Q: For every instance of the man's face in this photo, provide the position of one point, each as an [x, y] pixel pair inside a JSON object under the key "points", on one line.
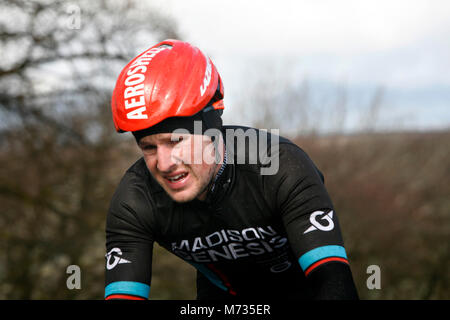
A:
{"points": [[183, 164]]}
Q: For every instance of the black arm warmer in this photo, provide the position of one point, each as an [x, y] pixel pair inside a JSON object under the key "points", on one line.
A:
{"points": [[332, 281]]}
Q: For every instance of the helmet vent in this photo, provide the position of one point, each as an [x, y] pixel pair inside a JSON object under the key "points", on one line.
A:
{"points": [[168, 46]]}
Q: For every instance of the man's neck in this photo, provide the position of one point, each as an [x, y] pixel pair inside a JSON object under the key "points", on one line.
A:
{"points": [[218, 170]]}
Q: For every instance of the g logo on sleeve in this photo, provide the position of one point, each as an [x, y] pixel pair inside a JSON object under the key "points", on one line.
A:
{"points": [[114, 253], [321, 221]]}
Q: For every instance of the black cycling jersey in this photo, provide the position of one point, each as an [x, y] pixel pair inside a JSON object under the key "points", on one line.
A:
{"points": [[256, 235]]}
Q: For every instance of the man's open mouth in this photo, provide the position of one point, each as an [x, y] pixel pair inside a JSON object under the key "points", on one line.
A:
{"points": [[178, 177]]}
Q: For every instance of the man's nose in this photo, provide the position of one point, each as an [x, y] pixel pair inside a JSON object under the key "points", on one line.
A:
{"points": [[167, 161]]}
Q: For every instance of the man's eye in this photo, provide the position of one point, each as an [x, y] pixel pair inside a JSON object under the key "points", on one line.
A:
{"points": [[148, 147], [176, 140]]}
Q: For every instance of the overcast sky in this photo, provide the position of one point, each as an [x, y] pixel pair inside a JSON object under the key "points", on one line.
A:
{"points": [[402, 45]]}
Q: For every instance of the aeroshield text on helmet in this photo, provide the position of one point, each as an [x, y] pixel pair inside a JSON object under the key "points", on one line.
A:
{"points": [[134, 84]]}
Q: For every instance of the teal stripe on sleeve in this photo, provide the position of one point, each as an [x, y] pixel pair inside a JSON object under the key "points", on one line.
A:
{"points": [[320, 253], [128, 287]]}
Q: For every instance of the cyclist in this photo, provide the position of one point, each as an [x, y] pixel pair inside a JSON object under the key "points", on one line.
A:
{"points": [[254, 218]]}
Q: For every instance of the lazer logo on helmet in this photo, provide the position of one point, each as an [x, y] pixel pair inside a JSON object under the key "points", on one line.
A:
{"points": [[207, 78], [134, 84]]}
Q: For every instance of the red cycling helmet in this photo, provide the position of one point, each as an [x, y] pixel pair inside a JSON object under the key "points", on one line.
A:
{"points": [[171, 79]]}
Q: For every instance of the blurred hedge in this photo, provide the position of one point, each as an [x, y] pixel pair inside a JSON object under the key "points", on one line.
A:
{"points": [[391, 194]]}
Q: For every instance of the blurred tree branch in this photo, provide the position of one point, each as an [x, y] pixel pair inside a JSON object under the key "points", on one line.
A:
{"points": [[60, 158]]}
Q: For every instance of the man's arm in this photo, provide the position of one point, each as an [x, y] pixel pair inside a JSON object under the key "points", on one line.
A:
{"points": [[312, 226], [332, 281], [129, 246]]}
